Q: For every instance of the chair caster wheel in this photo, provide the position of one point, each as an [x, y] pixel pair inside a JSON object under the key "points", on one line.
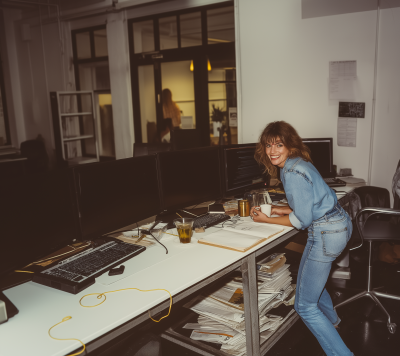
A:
{"points": [[392, 327]]}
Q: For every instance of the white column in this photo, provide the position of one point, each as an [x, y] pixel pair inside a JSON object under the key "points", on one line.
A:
{"points": [[118, 57], [12, 77]]}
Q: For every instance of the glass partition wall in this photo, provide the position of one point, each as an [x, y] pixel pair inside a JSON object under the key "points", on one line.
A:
{"points": [[192, 55]]}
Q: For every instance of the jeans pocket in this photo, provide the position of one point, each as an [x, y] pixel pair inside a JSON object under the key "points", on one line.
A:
{"points": [[334, 241]]}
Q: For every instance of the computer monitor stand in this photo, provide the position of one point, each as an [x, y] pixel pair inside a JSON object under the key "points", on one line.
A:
{"points": [[167, 216]]}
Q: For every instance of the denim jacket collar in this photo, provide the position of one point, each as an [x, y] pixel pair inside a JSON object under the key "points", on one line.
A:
{"points": [[289, 163]]}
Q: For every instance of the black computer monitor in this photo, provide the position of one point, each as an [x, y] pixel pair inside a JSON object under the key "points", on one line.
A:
{"points": [[182, 139], [321, 150], [241, 172], [114, 194], [38, 217], [189, 177]]}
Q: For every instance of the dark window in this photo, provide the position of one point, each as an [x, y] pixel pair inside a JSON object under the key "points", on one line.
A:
{"points": [[5, 139]]}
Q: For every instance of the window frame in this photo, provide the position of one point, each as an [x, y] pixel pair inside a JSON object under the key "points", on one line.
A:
{"points": [[4, 104], [77, 62], [93, 57]]}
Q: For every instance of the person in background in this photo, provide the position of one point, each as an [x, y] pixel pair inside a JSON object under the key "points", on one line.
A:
{"points": [[170, 108], [165, 132], [313, 206]]}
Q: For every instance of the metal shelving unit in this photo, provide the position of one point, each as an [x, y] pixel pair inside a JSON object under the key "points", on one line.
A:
{"points": [[59, 125], [247, 266]]}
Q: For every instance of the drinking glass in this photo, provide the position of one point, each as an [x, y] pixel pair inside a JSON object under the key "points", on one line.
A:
{"points": [[185, 229], [252, 197]]}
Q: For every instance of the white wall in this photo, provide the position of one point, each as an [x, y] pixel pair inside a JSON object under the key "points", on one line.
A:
{"points": [[386, 153], [284, 76], [118, 56]]}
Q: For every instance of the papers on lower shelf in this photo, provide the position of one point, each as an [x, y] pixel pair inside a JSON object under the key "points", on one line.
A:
{"points": [[221, 317], [241, 236], [273, 262]]}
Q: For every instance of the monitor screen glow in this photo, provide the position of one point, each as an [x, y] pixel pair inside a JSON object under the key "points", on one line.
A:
{"points": [[241, 171]]}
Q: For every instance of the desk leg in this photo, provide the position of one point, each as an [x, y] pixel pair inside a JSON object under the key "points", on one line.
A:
{"points": [[250, 295]]}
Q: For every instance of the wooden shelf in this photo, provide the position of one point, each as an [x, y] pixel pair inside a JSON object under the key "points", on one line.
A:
{"points": [[76, 114], [68, 131], [74, 92], [77, 138]]}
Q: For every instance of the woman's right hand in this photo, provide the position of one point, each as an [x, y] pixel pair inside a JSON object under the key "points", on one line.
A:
{"points": [[257, 215]]}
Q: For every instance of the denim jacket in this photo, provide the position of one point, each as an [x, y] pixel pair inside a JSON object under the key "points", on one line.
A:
{"points": [[306, 192]]}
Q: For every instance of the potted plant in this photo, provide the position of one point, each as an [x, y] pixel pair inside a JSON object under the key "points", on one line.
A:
{"points": [[217, 116]]}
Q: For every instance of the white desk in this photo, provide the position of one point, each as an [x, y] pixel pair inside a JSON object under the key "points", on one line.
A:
{"points": [[185, 270]]}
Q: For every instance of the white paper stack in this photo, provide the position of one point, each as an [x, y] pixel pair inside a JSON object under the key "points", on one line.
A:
{"points": [[221, 314]]}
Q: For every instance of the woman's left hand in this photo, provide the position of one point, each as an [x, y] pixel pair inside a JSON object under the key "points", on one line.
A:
{"points": [[257, 215]]}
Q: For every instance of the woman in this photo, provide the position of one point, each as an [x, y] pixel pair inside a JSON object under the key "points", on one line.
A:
{"points": [[170, 108], [312, 205], [166, 129]]}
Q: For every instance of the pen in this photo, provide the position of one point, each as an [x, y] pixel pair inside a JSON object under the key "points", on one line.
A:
{"points": [[188, 213]]}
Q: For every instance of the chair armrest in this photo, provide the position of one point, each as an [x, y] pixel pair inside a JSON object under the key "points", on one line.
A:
{"points": [[373, 211], [378, 211]]}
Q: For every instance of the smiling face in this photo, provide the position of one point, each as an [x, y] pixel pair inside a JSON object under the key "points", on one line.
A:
{"points": [[277, 152]]}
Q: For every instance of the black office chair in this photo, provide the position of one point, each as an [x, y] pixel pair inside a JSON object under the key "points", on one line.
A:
{"points": [[372, 226], [351, 203], [36, 154]]}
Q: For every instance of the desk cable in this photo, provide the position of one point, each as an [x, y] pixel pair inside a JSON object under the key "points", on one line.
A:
{"points": [[233, 220], [55, 338], [100, 296]]}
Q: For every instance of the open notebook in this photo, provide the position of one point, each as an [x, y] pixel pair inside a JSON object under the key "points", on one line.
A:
{"points": [[241, 236]]}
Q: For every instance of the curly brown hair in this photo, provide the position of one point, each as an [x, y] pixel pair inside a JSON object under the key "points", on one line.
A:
{"points": [[290, 138]]}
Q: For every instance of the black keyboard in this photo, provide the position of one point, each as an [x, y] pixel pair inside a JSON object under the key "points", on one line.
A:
{"points": [[334, 182], [95, 261], [208, 220]]}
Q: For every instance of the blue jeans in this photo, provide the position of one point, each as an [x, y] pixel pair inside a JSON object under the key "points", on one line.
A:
{"points": [[327, 237]]}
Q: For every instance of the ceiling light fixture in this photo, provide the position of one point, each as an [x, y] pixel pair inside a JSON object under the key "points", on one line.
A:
{"points": [[208, 65]]}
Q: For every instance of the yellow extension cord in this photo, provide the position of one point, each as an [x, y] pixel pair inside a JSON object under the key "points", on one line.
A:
{"points": [[99, 296]]}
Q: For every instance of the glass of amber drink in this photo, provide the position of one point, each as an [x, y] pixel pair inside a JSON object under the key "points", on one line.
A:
{"points": [[185, 229]]}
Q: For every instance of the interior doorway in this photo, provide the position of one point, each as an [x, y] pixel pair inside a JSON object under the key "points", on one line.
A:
{"points": [[191, 53], [153, 81]]}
